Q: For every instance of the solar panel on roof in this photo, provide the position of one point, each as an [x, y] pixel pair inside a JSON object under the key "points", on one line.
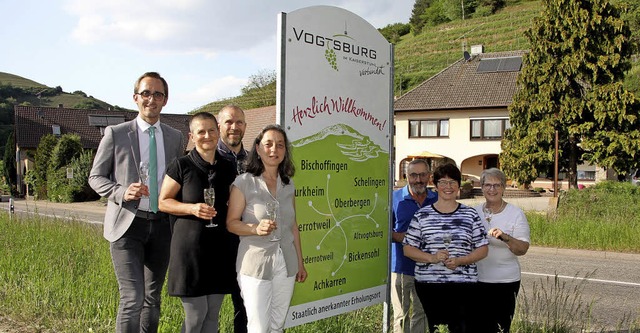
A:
{"points": [[511, 64], [97, 120], [492, 65], [104, 121], [488, 65]]}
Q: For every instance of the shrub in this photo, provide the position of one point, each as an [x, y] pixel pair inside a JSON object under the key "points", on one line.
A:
{"points": [[63, 189], [393, 32], [9, 162], [43, 154], [66, 149]]}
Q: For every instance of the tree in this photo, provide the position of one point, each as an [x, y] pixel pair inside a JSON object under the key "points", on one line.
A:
{"points": [[572, 82], [88, 105], [417, 20], [393, 32], [43, 155], [261, 89], [9, 161]]}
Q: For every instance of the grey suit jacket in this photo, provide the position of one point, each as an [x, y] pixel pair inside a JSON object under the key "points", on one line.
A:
{"points": [[115, 167]]}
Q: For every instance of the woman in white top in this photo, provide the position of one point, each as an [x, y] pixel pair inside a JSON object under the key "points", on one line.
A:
{"points": [[499, 271], [269, 255]]}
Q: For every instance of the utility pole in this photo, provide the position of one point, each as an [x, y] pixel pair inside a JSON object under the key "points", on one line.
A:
{"points": [[462, 4], [555, 169]]}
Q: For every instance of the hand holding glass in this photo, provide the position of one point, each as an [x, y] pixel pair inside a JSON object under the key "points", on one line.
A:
{"points": [[209, 199], [446, 239], [144, 172], [488, 214], [272, 214]]}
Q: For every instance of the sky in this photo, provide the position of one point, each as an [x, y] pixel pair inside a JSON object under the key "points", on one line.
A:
{"points": [[205, 49]]}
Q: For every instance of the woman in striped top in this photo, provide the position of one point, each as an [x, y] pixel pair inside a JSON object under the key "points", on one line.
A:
{"points": [[446, 239]]}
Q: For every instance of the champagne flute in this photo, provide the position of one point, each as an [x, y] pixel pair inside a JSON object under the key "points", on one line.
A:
{"points": [[144, 172], [488, 214], [272, 214], [209, 199], [446, 239]]}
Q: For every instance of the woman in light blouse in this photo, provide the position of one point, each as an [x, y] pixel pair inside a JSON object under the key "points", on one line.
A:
{"points": [[267, 266], [499, 272]]}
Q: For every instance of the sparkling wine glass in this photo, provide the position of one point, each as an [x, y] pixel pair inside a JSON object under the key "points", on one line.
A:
{"points": [[144, 172], [272, 214], [210, 199], [446, 239], [488, 214]]}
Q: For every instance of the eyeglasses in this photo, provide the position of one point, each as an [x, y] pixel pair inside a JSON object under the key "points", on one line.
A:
{"points": [[414, 175], [492, 186], [146, 94], [447, 183]]}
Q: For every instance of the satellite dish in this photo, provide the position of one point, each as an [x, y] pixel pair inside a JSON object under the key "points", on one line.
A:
{"points": [[467, 56]]}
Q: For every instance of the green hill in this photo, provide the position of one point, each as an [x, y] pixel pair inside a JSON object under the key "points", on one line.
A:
{"points": [[17, 90], [419, 57]]}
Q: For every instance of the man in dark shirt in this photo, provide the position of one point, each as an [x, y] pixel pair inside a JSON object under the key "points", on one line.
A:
{"points": [[232, 125]]}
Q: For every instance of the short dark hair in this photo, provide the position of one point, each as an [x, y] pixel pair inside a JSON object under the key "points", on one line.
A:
{"points": [[154, 75], [204, 116], [447, 170], [286, 169]]}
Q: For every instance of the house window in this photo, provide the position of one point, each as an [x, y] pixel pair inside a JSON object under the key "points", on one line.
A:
{"points": [[489, 128], [56, 130], [431, 128], [586, 175]]}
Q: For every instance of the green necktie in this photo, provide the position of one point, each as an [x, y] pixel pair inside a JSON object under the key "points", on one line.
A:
{"points": [[153, 170]]}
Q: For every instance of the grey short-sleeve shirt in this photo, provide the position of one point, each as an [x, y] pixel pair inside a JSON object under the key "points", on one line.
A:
{"points": [[256, 254]]}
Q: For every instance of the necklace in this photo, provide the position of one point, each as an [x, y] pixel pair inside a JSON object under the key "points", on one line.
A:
{"points": [[488, 213]]}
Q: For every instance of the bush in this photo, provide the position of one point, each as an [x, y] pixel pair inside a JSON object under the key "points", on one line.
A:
{"points": [[466, 188], [43, 154], [393, 32], [62, 189], [483, 11], [67, 148], [9, 163]]}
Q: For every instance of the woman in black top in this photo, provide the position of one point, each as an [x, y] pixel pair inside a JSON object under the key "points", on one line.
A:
{"points": [[202, 262]]}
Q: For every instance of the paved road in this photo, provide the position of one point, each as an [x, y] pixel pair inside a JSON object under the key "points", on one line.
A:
{"points": [[609, 282], [93, 211], [613, 285]]}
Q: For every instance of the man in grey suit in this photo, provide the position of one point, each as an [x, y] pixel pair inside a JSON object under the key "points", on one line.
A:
{"points": [[138, 233]]}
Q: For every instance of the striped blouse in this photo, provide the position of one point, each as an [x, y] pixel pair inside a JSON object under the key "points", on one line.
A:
{"points": [[427, 231]]}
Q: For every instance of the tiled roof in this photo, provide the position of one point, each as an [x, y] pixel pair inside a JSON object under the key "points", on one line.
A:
{"points": [[31, 123], [256, 120], [462, 86]]}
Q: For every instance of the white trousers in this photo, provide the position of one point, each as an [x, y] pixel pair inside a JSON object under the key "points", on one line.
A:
{"points": [[408, 314], [267, 301]]}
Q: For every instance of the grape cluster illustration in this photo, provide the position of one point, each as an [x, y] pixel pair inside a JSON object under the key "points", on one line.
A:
{"points": [[330, 54]]}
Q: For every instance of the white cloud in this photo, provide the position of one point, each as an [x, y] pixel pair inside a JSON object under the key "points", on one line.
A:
{"points": [[205, 26], [228, 86]]}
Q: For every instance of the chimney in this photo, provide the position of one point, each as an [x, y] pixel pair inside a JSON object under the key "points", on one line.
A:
{"points": [[60, 106], [477, 49]]}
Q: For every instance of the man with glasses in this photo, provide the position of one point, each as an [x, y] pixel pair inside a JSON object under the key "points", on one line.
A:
{"points": [[406, 201], [138, 232]]}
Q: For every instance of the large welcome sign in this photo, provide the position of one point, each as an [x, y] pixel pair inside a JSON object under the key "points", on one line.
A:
{"points": [[334, 100]]}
